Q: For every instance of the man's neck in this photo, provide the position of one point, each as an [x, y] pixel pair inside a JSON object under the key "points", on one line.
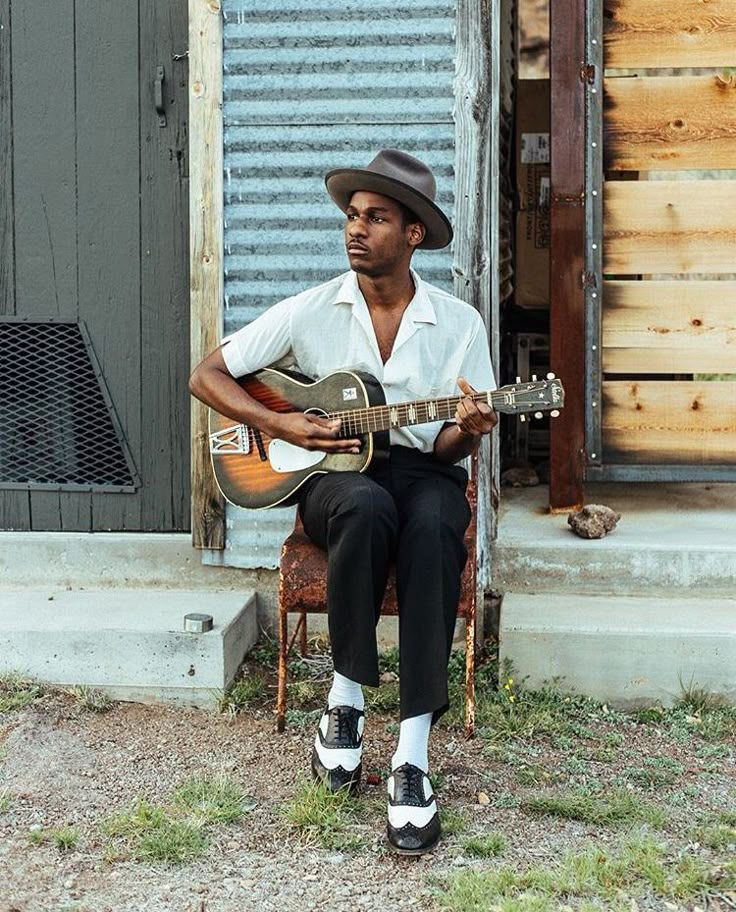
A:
{"points": [[389, 292]]}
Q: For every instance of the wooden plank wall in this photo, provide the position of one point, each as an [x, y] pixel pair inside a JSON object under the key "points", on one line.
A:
{"points": [[669, 254], [206, 249]]}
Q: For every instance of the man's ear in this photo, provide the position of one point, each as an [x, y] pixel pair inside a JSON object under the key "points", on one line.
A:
{"points": [[416, 234]]}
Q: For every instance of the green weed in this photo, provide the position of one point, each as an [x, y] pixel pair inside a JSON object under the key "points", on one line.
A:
{"points": [[453, 822], [65, 838], [17, 692], [614, 808], [301, 718], [388, 661], [150, 833], [488, 846], [331, 819], [243, 693], [656, 772], [587, 878], [218, 800], [383, 699], [304, 693], [91, 699], [5, 801]]}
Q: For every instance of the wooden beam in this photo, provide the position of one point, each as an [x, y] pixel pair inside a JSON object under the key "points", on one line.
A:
{"points": [[670, 123], [670, 423], [567, 303], [476, 244], [669, 226], [669, 327], [669, 33], [206, 246]]}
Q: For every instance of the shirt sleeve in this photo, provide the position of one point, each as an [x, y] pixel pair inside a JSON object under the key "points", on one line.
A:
{"points": [[261, 343], [476, 364]]}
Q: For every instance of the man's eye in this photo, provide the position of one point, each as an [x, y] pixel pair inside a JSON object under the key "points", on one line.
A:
{"points": [[376, 218]]}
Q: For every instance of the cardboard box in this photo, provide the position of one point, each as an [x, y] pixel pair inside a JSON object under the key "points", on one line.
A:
{"points": [[533, 185]]}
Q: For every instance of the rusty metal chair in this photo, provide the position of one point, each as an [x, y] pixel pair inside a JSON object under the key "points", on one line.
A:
{"points": [[303, 590]]}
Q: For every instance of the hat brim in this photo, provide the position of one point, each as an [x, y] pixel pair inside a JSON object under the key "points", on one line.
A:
{"points": [[342, 183]]}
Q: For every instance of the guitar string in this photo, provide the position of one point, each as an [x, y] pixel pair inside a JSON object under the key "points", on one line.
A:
{"points": [[360, 420]]}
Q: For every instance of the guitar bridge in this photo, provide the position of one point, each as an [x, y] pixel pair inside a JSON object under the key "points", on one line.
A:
{"points": [[233, 439]]}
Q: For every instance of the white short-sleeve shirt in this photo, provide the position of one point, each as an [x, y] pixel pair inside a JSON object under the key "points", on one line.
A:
{"points": [[329, 328]]}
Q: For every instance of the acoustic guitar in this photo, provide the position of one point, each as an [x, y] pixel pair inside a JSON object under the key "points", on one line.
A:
{"points": [[253, 470]]}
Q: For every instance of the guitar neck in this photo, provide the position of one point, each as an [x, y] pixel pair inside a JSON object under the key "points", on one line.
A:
{"points": [[404, 414]]}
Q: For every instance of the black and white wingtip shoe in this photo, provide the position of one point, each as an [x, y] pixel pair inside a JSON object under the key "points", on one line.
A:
{"points": [[413, 820], [338, 746]]}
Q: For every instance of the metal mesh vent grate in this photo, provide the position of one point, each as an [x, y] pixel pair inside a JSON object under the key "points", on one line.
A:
{"points": [[57, 425]]}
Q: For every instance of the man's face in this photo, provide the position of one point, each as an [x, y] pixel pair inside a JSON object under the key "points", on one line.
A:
{"points": [[376, 238]]}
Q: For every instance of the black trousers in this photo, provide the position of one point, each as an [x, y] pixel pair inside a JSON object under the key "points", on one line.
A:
{"points": [[412, 511]]}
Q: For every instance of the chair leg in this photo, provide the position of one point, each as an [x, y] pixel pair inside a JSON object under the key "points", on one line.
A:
{"points": [[303, 637], [470, 671], [283, 669]]}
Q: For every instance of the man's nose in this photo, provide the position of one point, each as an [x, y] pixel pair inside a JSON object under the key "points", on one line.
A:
{"points": [[356, 227]]}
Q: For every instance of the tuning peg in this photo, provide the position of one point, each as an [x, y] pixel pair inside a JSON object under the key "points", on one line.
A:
{"points": [[550, 376], [518, 379], [537, 414], [555, 413], [522, 417], [534, 378]]}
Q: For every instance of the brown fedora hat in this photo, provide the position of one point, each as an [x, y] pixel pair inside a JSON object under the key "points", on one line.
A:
{"points": [[401, 177]]}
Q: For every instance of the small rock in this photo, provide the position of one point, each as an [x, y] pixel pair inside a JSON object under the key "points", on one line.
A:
{"points": [[483, 798], [593, 521], [520, 477]]}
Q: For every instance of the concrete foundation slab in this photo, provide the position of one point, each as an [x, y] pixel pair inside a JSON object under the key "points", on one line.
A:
{"points": [[130, 643], [624, 650], [671, 539]]}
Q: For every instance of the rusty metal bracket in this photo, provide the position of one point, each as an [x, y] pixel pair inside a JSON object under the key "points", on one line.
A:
{"points": [[569, 199], [587, 73], [589, 279]]}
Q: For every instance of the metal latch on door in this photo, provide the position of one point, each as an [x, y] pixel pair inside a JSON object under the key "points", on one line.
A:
{"points": [[158, 96]]}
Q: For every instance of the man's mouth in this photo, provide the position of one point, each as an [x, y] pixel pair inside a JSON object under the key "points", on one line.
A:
{"points": [[356, 248]]}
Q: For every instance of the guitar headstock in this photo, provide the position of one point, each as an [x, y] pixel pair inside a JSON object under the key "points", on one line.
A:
{"points": [[530, 396]]}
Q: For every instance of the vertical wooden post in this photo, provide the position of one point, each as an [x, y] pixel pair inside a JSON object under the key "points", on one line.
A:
{"points": [[206, 246], [567, 260], [476, 246]]}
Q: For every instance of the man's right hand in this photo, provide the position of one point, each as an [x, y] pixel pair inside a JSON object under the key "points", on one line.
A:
{"points": [[312, 432]]}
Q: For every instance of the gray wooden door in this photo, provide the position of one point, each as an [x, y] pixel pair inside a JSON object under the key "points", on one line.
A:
{"points": [[94, 236]]}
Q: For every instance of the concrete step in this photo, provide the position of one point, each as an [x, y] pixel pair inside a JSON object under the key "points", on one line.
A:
{"points": [[627, 651], [672, 539], [99, 560], [130, 643]]}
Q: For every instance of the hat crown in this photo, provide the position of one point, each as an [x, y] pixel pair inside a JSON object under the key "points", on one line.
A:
{"points": [[405, 168]]}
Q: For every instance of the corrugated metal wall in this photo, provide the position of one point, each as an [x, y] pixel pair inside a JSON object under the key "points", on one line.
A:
{"points": [[308, 88]]}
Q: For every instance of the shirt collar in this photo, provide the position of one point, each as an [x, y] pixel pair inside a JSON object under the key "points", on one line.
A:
{"points": [[420, 309]]}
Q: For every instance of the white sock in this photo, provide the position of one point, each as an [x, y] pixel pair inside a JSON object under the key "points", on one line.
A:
{"points": [[345, 692], [413, 742]]}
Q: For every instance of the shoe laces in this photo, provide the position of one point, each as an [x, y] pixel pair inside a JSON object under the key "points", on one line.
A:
{"points": [[346, 726], [410, 782]]}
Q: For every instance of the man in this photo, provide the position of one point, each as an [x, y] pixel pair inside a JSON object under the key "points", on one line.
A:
{"points": [[421, 343]]}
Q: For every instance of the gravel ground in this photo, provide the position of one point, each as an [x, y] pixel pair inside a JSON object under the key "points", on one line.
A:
{"points": [[62, 765]]}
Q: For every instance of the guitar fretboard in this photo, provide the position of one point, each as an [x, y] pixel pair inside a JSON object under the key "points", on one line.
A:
{"points": [[402, 414]]}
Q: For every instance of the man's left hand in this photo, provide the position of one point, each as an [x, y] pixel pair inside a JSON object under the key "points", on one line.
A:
{"points": [[473, 417]]}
